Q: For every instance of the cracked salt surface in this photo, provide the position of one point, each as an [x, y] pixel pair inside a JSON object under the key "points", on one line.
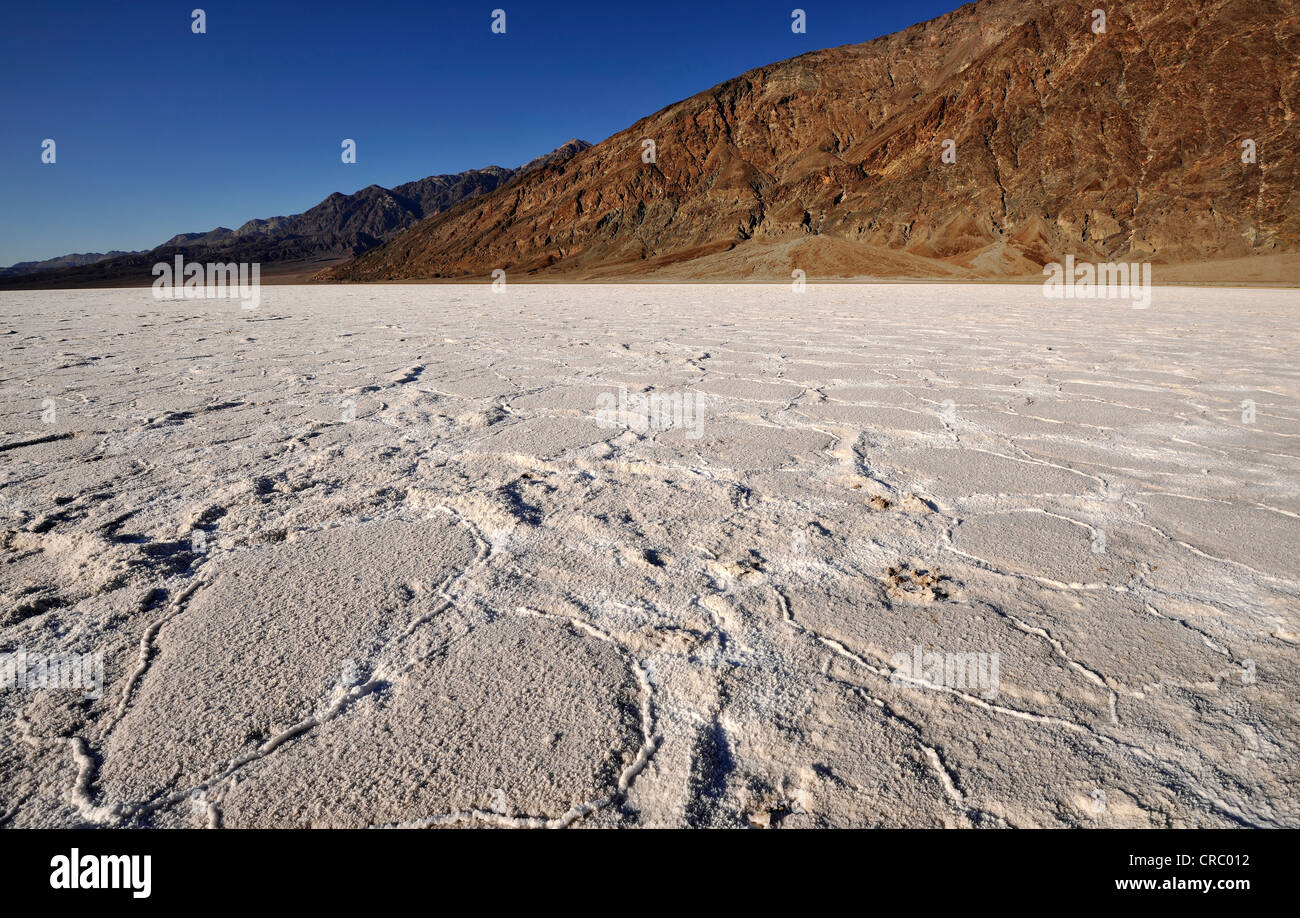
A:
{"points": [[364, 557]]}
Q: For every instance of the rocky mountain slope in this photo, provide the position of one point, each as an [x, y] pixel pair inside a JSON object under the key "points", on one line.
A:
{"points": [[1123, 144], [339, 227]]}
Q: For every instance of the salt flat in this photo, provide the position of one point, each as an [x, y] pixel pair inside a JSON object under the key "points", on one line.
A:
{"points": [[907, 555]]}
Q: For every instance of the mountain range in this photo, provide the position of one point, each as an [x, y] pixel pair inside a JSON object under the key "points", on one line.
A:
{"points": [[1122, 143], [985, 143], [339, 227], [73, 260]]}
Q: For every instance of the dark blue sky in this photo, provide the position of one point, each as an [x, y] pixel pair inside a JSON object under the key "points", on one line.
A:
{"points": [[161, 131]]}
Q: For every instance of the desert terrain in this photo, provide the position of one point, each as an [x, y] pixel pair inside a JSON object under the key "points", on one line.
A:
{"points": [[381, 556], [978, 145]]}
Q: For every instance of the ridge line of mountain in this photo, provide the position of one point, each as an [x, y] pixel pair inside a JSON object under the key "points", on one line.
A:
{"points": [[339, 227], [984, 143]]}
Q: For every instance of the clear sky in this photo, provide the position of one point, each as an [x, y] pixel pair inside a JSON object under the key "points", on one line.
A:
{"points": [[160, 131]]}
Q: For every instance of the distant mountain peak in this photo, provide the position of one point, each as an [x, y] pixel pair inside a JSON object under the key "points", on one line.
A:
{"points": [[339, 227], [563, 151], [72, 260]]}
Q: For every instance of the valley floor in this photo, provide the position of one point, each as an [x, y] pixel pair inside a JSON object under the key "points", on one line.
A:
{"points": [[903, 555]]}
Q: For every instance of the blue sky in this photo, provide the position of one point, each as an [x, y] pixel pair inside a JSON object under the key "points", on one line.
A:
{"points": [[161, 131]]}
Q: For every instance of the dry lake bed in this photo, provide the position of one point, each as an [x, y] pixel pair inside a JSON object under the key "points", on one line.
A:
{"points": [[897, 555]]}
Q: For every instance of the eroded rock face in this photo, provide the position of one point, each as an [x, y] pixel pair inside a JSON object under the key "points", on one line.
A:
{"points": [[1125, 144]]}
